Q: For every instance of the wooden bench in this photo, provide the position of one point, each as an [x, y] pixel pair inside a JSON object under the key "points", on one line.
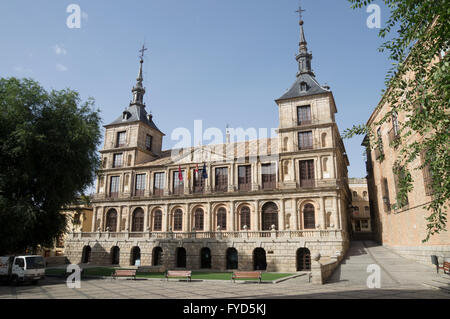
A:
{"points": [[445, 267], [179, 274], [246, 275], [124, 273]]}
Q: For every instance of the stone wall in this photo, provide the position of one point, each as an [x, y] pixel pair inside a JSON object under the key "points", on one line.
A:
{"points": [[281, 254], [422, 254]]}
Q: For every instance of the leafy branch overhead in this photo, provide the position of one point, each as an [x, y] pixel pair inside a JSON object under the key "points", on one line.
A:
{"points": [[418, 86]]}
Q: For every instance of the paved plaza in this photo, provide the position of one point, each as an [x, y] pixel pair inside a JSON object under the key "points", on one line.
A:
{"points": [[400, 278]]}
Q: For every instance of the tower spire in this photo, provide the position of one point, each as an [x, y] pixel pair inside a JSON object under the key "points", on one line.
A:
{"points": [[138, 90], [303, 58]]}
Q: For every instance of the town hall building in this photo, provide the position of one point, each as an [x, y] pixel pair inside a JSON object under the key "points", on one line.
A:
{"points": [[266, 204]]}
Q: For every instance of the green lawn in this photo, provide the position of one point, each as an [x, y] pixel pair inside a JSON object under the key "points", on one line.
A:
{"points": [[108, 271]]}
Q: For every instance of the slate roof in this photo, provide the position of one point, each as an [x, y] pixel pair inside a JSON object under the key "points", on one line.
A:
{"points": [[313, 87], [137, 114]]}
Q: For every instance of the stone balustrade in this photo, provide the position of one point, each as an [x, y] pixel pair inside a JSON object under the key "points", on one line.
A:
{"points": [[326, 234]]}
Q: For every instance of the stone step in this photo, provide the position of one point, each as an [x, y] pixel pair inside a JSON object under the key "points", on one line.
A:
{"points": [[437, 285]]}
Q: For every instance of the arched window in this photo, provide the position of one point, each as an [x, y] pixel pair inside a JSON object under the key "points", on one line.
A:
{"points": [[157, 256], [245, 217], [111, 220], [138, 220], [205, 258], [178, 220], [115, 255], [355, 194], [222, 218], [198, 219], [365, 195], [157, 220], [269, 216], [232, 258], [309, 217], [303, 259], [259, 259]]}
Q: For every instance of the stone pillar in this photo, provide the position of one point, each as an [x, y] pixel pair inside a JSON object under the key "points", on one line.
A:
{"points": [[281, 216], [101, 212], [94, 219], [165, 220], [324, 213], [336, 213], [255, 216], [208, 217], [146, 212], [295, 214], [167, 183], [232, 217]]}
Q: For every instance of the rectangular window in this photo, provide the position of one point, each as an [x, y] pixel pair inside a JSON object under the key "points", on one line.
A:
{"points": [[118, 160], [140, 185], [158, 184], [114, 187], [222, 179], [178, 185], [305, 140], [157, 221], [148, 142], [199, 181], [121, 139], [244, 177], [304, 115], [307, 177], [401, 202], [268, 176]]}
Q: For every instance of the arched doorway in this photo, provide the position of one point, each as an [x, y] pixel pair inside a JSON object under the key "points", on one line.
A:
{"points": [[115, 255], [309, 220], [157, 256], [232, 258], [259, 259], [135, 256], [137, 224], [111, 220], [205, 258], [303, 259], [86, 255], [181, 257], [269, 216]]}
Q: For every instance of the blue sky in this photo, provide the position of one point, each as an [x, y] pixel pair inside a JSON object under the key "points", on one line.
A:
{"points": [[221, 61]]}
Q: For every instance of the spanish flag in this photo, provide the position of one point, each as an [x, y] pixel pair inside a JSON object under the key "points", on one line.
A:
{"points": [[180, 174]]}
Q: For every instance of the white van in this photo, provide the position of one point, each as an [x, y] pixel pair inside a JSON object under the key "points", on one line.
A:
{"points": [[17, 269]]}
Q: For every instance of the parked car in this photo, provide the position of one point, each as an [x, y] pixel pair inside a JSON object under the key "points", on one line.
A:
{"points": [[17, 269]]}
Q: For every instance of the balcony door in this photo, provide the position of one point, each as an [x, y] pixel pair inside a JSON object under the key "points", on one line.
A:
{"points": [[307, 173]]}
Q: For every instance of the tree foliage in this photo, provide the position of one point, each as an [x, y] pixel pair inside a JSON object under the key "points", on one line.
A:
{"points": [[48, 143], [418, 85]]}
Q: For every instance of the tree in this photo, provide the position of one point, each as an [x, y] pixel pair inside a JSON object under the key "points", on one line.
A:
{"points": [[420, 41], [48, 143]]}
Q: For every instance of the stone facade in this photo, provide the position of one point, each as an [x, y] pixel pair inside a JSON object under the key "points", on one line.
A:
{"points": [[360, 215], [273, 202], [401, 229]]}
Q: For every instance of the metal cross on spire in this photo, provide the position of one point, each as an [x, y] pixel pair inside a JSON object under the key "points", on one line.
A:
{"points": [[300, 11], [142, 51]]}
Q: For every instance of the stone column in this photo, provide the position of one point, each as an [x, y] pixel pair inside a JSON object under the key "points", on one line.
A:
{"points": [[281, 216], [167, 183], [100, 215], [207, 221], [94, 219], [255, 216], [295, 212], [336, 213], [324, 213], [232, 217], [146, 212], [165, 221]]}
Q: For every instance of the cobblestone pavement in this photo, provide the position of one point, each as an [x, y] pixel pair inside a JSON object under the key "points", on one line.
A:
{"points": [[400, 278]]}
